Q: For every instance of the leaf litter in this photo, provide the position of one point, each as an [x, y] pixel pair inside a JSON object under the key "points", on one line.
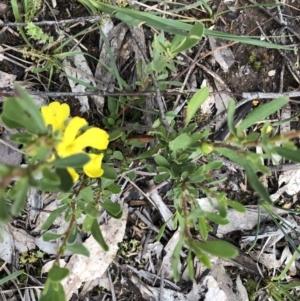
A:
{"points": [[217, 285]]}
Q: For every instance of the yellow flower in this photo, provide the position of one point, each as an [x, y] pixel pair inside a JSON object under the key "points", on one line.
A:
{"points": [[73, 140], [56, 114], [73, 174], [93, 168], [74, 143]]}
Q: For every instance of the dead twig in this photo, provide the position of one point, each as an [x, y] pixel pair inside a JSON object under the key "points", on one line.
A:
{"points": [[261, 95], [51, 23]]}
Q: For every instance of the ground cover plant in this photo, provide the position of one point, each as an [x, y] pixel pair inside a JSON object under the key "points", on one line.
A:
{"points": [[85, 164]]}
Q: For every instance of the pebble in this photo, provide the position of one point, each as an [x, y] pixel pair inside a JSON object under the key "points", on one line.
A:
{"points": [[3, 8]]}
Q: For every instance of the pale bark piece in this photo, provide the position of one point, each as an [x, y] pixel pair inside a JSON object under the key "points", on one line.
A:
{"points": [[6, 79], [77, 67], [286, 255], [169, 249], [241, 221], [153, 293], [291, 178], [219, 285], [12, 239], [206, 107], [214, 293], [115, 37], [9, 155], [161, 206], [47, 266], [224, 57], [268, 260], [241, 290], [222, 101], [59, 221], [83, 268]]}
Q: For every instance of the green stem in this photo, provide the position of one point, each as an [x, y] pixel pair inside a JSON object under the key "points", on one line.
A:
{"points": [[287, 267]]}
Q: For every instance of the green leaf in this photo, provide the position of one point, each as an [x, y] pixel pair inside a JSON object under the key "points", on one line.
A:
{"points": [[251, 174], [96, 232], [87, 223], [182, 141], [147, 154], [255, 183], [114, 188], [158, 43], [195, 103], [213, 165], [87, 195], [106, 182], [194, 36], [162, 161], [162, 177], [115, 135], [74, 161], [73, 234], [19, 192], [112, 105], [287, 153], [230, 117], [109, 172], [10, 277], [262, 112], [91, 210], [50, 177], [57, 274], [5, 169], [118, 155], [79, 248], [52, 217], [113, 209], [175, 259], [201, 256], [216, 218], [161, 231], [22, 137], [236, 206], [51, 236], [198, 176], [29, 115], [53, 291], [190, 266], [218, 248], [4, 212], [11, 123], [203, 227], [66, 181]]}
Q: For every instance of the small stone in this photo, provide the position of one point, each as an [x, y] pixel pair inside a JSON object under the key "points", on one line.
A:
{"points": [[271, 73], [3, 8]]}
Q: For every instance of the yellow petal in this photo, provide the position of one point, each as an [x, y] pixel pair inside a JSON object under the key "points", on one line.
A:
{"points": [[93, 137], [67, 147], [73, 174], [56, 114], [93, 168], [72, 129]]}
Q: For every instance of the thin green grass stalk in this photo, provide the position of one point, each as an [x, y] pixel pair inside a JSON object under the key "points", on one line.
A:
{"points": [[11, 276], [14, 5], [137, 18], [112, 59], [257, 229], [274, 218]]}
